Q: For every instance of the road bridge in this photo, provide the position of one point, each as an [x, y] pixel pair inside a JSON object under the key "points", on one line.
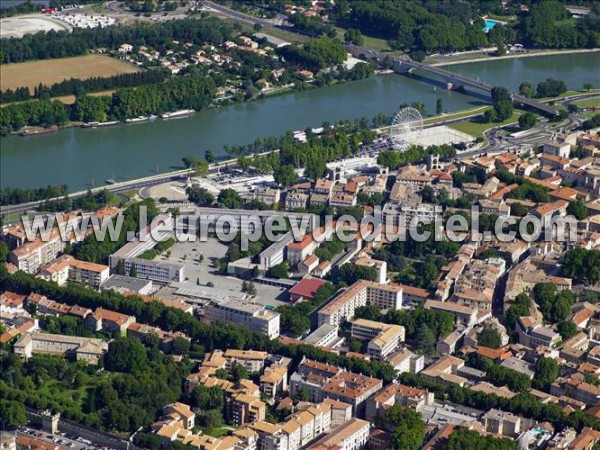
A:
{"points": [[458, 82], [454, 81]]}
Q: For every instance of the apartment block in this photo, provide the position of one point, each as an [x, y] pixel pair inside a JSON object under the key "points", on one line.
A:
{"points": [[31, 256], [87, 349], [502, 423], [274, 381], [248, 315], [243, 408], [397, 394], [533, 334], [68, 268], [383, 338], [361, 293], [108, 321], [353, 435], [252, 360]]}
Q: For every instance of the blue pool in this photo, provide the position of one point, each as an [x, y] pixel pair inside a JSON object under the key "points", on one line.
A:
{"points": [[489, 24]]}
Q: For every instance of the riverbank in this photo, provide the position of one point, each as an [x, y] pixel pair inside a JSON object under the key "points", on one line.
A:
{"points": [[515, 56]]}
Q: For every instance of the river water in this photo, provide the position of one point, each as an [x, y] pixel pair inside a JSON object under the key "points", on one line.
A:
{"points": [[82, 157]]}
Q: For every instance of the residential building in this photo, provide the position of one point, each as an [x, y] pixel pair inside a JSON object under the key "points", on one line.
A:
{"points": [[108, 321], [532, 333], [252, 360], [252, 316], [444, 371], [274, 381], [383, 338], [243, 408], [86, 349], [31, 256], [305, 289], [361, 293], [68, 268], [397, 394], [502, 423], [556, 148], [353, 435]]}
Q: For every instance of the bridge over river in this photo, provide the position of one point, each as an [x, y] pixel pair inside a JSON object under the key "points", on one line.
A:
{"points": [[453, 80]]}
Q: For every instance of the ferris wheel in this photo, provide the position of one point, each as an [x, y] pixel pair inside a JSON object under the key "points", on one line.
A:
{"points": [[406, 128]]}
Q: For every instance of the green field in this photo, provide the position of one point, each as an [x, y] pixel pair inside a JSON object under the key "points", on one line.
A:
{"points": [[455, 115], [475, 128]]}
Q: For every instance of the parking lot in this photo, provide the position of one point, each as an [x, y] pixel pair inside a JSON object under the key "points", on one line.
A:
{"points": [[198, 259], [59, 438]]}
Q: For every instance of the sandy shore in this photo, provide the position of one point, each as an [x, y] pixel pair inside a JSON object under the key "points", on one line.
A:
{"points": [[517, 55]]}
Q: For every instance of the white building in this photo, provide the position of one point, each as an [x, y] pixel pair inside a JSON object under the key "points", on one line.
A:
{"points": [[252, 316]]}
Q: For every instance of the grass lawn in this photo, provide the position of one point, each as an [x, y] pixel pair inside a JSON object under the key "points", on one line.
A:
{"points": [[51, 71], [588, 102], [455, 115], [217, 432], [375, 43], [475, 128], [70, 99]]}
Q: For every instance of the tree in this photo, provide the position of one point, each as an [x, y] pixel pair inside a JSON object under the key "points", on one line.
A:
{"points": [[439, 106], [133, 270], [578, 209], [527, 120], [567, 329], [4, 251], [463, 439], [125, 355], [180, 346], [209, 156], [315, 168], [229, 198], [251, 290], [588, 86], [527, 89], [425, 340], [12, 413], [489, 337], [285, 175], [546, 372], [504, 110], [200, 196], [238, 372], [279, 271], [370, 312], [353, 36], [499, 94], [550, 88], [406, 425]]}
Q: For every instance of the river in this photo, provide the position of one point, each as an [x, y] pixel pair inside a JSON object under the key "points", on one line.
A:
{"points": [[80, 157]]}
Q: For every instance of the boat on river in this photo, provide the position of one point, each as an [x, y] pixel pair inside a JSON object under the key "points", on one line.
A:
{"points": [[176, 114]]}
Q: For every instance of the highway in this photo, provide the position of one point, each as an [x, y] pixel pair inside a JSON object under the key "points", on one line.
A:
{"points": [[233, 14]]}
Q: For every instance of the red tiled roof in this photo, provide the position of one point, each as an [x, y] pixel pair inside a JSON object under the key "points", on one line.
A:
{"points": [[307, 287]]}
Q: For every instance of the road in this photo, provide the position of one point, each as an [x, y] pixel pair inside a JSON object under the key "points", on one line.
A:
{"points": [[233, 14]]}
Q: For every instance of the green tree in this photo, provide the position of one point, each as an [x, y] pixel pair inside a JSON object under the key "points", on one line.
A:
{"points": [[527, 120], [489, 337], [439, 106], [463, 439], [567, 329], [425, 340], [229, 198], [238, 372], [4, 251], [406, 425], [353, 36], [125, 355], [546, 372], [279, 271], [12, 413], [527, 89], [285, 175], [200, 196], [180, 346], [578, 209], [504, 110]]}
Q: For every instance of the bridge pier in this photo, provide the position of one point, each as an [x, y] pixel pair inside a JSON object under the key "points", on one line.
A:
{"points": [[401, 68], [455, 86]]}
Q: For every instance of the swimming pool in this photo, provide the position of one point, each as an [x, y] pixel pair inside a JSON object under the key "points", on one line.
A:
{"points": [[489, 24]]}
